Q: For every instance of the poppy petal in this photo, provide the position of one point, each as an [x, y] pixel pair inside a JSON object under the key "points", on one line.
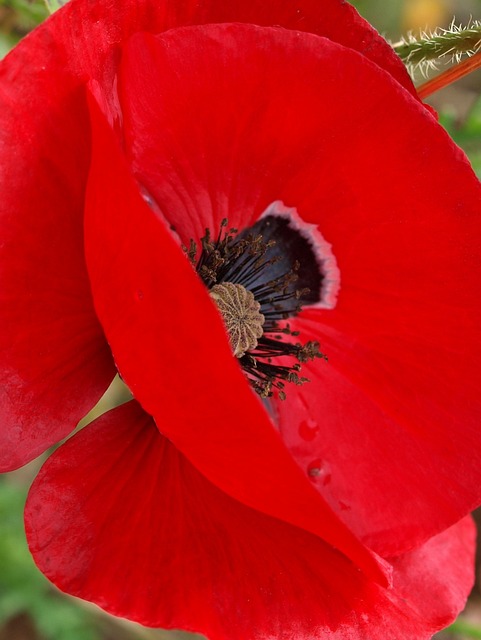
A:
{"points": [[403, 336], [118, 516], [48, 326], [55, 363], [440, 574], [403, 340], [213, 134], [377, 475], [172, 350], [81, 39]]}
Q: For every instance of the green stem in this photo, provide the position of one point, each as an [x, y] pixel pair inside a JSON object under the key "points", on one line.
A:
{"points": [[429, 48]]}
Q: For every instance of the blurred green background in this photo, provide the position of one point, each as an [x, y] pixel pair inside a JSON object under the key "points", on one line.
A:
{"points": [[30, 607]]}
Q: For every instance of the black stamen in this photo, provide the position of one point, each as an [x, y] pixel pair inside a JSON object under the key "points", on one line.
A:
{"points": [[254, 260]]}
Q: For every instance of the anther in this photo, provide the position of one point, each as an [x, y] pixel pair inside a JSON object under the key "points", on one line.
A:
{"points": [[257, 282]]}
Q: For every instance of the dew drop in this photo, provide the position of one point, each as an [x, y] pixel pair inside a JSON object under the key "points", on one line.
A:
{"points": [[308, 429], [139, 295], [319, 471]]}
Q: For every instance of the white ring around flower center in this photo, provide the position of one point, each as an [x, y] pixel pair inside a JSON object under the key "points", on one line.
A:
{"points": [[331, 281]]}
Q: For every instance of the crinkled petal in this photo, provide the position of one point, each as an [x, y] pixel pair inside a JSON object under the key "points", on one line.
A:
{"points": [[172, 350], [220, 123], [118, 516]]}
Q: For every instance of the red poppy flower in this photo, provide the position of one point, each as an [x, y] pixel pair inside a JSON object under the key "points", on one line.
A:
{"points": [[231, 497]]}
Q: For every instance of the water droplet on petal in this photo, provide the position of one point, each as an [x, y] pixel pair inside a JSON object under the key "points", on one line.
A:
{"points": [[319, 471], [308, 429]]}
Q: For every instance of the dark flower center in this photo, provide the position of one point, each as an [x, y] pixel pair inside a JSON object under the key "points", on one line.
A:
{"points": [[259, 278]]}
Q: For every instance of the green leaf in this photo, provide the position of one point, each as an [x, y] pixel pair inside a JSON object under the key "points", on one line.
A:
{"points": [[439, 45]]}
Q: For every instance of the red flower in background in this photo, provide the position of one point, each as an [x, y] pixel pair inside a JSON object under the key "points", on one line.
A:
{"points": [[184, 508]]}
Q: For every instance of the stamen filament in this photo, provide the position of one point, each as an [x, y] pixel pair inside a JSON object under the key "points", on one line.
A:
{"points": [[236, 272]]}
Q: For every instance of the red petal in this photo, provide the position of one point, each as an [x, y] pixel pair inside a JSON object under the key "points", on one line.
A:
{"points": [[403, 341], [44, 155], [203, 124], [172, 350], [54, 362], [404, 454], [224, 141], [80, 40], [388, 483], [334, 19], [440, 574], [118, 516]]}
